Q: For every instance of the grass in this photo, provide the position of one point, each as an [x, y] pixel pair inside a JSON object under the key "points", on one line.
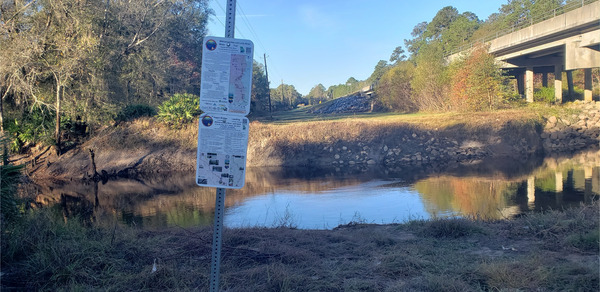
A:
{"points": [[428, 119], [551, 251]]}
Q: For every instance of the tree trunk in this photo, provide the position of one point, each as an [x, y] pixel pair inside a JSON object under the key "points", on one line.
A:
{"points": [[4, 142], [57, 129]]}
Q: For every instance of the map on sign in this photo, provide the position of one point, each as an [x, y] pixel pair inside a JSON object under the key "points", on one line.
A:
{"points": [[222, 147], [226, 80]]}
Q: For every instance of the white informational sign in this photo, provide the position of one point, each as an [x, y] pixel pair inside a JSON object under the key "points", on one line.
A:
{"points": [[226, 75], [222, 147]]}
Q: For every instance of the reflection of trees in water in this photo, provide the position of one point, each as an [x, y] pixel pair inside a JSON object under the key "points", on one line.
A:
{"points": [[174, 199], [472, 196], [77, 207], [558, 182]]}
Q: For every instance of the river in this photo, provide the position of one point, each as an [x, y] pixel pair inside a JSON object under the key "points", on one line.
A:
{"points": [[326, 198]]}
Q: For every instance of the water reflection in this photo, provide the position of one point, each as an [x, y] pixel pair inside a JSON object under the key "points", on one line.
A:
{"points": [[325, 198]]}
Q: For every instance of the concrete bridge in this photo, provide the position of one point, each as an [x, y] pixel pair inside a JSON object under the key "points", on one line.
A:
{"points": [[562, 43]]}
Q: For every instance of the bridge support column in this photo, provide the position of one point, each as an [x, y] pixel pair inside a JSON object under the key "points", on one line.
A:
{"points": [[570, 82], [531, 192], [521, 83], [558, 186], [529, 84], [587, 92], [558, 84], [545, 79]]}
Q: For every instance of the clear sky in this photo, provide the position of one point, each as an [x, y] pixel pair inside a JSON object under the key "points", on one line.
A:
{"points": [[308, 42]]}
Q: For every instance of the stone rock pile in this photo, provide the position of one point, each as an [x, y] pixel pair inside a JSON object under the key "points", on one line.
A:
{"points": [[347, 104], [574, 132], [415, 149]]}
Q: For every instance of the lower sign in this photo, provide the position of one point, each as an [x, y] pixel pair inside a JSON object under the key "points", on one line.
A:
{"points": [[222, 147]]}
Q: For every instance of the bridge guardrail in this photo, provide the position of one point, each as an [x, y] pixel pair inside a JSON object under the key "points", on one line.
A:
{"points": [[523, 23]]}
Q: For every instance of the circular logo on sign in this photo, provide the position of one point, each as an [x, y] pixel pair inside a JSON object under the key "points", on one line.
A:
{"points": [[211, 45], [207, 121]]}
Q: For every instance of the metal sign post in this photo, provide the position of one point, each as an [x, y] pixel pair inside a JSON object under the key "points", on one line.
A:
{"points": [[223, 128], [215, 264]]}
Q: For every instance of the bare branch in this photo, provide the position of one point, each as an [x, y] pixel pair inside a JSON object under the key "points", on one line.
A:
{"points": [[158, 26], [18, 12]]}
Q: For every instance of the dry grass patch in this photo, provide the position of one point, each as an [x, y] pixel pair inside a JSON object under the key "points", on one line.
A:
{"points": [[147, 132], [43, 252]]}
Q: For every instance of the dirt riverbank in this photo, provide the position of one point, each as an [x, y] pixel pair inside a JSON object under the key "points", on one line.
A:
{"points": [[147, 146]]}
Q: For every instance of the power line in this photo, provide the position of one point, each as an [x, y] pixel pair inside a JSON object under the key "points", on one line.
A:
{"points": [[250, 29], [249, 25], [225, 13], [219, 21], [255, 35]]}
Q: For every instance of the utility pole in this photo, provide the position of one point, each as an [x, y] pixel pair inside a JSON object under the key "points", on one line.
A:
{"points": [[268, 89], [282, 93]]}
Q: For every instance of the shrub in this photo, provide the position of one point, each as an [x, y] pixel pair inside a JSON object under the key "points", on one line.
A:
{"points": [[451, 228], [35, 125], [9, 175], [544, 94], [587, 241], [477, 82], [394, 90], [134, 111], [180, 109]]}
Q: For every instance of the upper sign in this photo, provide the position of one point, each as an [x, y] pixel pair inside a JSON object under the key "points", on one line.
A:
{"points": [[226, 75]]}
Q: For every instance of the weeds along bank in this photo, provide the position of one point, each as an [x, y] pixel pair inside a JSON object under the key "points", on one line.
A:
{"points": [[147, 146], [551, 251]]}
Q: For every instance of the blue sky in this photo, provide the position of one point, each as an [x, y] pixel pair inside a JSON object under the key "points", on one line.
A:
{"points": [[308, 42]]}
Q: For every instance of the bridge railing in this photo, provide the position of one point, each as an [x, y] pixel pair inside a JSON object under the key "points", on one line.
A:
{"points": [[524, 22]]}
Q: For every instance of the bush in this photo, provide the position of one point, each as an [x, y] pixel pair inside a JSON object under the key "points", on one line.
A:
{"points": [[134, 111], [544, 94], [180, 109], [35, 125], [450, 228], [477, 82], [394, 90], [9, 175]]}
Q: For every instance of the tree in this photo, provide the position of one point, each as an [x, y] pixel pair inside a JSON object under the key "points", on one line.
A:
{"points": [[477, 82], [429, 82], [260, 90], [151, 48], [317, 94], [460, 31], [351, 85], [380, 69], [87, 58], [394, 89], [414, 45], [285, 97], [521, 12], [64, 32], [397, 55], [441, 22], [16, 50]]}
